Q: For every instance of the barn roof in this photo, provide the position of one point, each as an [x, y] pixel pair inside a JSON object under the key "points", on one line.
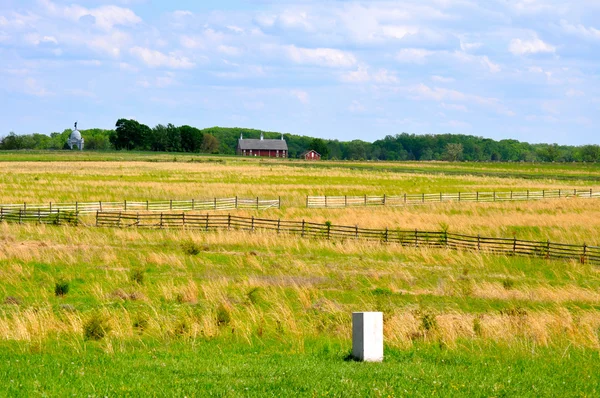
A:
{"points": [[254, 144]]}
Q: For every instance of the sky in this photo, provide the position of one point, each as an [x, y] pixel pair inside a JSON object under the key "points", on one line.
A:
{"points": [[503, 69]]}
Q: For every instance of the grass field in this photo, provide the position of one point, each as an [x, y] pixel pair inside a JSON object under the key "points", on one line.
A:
{"points": [[97, 312]]}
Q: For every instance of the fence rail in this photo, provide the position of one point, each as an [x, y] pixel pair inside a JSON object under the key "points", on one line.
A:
{"points": [[421, 198], [56, 217], [439, 239], [163, 205]]}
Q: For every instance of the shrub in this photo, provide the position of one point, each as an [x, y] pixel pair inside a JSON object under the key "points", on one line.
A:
{"points": [[191, 248], [508, 283], [96, 327], [137, 276], [61, 288], [223, 315]]}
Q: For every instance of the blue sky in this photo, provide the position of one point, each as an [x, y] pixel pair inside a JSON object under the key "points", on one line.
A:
{"points": [[522, 69]]}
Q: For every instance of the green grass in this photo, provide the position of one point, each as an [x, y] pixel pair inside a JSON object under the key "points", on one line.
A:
{"points": [[272, 368]]}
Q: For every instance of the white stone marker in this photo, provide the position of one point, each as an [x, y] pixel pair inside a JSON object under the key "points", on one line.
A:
{"points": [[367, 336]]}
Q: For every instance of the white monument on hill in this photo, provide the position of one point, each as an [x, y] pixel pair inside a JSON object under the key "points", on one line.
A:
{"points": [[75, 139]]}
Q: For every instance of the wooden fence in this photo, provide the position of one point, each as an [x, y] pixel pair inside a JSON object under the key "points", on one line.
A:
{"points": [[163, 205], [440, 239], [423, 198], [56, 217]]}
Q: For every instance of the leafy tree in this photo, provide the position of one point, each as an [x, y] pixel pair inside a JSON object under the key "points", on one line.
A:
{"points": [[209, 144], [453, 152], [191, 139], [131, 135]]}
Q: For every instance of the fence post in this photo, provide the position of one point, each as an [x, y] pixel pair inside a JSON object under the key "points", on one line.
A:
{"points": [[58, 217], [257, 203], [575, 192], [386, 234], [384, 199], [100, 203], [511, 195], [302, 232], [125, 204], [20, 215], [416, 238], [515, 246], [528, 194], [405, 198], [76, 207], [459, 196], [97, 214], [193, 204], [543, 193], [147, 205], [477, 196], [1, 213], [215, 203], [345, 200], [137, 221], [356, 231], [160, 225], [365, 200], [39, 216], [278, 225], [252, 223], [229, 221], [325, 201], [328, 230], [206, 222], [478, 242], [307, 201], [584, 253], [441, 199], [590, 192], [423, 195], [494, 196], [548, 249], [118, 222], [25, 206], [559, 193], [236, 202], [279, 203], [183, 219]]}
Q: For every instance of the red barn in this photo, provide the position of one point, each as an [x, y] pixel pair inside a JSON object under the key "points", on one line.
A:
{"points": [[262, 147], [311, 155]]}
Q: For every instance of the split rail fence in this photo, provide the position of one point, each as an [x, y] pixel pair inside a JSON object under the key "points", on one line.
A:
{"points": [[56, 217], [163, 205], [316, 202], [415, 238]]}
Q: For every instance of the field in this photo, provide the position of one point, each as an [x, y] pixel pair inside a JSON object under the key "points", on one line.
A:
{"points": [[101, 311]]}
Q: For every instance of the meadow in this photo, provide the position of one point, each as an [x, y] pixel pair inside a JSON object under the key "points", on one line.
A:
{"points": [[95, 311]]}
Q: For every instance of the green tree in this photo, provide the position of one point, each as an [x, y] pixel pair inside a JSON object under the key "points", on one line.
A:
{"points": [[210, 144], [453, 152], [129, 134]]}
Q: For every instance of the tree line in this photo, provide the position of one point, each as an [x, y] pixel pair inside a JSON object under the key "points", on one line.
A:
{"points": [[132, 135]]}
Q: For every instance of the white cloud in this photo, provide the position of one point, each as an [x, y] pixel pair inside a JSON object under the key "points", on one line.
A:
{"points": [[105, 17], [580, 30], [362, 75], [533, 46], [454, 107], [413, 55], [465, 46], [442, 79], [301, 96], [483, 60], [230, 50], [156, 59], [574, 93], [35, 39], [457, 124], [33, 87], [356, 107], [320, 56]]}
